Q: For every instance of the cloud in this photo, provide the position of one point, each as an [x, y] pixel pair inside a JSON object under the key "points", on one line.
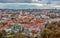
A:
{"points": [[19, 5], [27, 6], [36, 1], [31, 1], [15, 1]]}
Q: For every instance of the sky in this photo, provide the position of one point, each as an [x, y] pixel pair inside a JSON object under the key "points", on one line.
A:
{"points": [[31, 1], [32, 4]]}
